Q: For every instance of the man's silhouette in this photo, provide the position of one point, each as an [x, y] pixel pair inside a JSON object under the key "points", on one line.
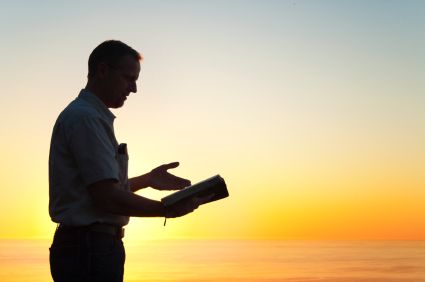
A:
{"points": [[91, 197]]}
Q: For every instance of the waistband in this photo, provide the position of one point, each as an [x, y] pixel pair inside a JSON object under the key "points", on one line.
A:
{"points": [[114, 230]]}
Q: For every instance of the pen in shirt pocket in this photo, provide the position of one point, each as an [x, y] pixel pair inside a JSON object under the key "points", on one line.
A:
{"points": [[122, 149]]}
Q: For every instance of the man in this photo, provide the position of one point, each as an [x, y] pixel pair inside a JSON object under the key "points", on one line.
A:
{"points": [[91, 197]]}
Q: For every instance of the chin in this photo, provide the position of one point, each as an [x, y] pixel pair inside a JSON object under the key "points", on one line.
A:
{"points": [[118, 104]]}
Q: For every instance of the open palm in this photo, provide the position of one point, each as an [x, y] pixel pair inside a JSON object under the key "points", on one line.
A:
{"points": [[161, 179]]}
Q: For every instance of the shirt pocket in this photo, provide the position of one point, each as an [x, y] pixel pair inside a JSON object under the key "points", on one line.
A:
{"points": [[122, 158]]}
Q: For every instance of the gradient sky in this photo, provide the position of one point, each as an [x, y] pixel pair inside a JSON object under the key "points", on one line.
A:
{"points": [[312, 111]]}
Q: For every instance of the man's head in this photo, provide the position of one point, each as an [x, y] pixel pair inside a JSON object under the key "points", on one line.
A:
{"points": [[113, 70]]}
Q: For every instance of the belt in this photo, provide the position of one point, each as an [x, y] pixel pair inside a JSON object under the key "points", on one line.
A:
{"points": [[114, 230]]}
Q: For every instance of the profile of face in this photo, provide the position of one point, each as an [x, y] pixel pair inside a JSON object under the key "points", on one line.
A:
{"points": [[119, 81]]}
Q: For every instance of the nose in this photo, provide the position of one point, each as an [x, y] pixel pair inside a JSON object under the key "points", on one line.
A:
{"points": [[133, 87]]}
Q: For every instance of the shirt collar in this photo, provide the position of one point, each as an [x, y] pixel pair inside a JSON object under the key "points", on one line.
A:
{"points": [[88, 96]]}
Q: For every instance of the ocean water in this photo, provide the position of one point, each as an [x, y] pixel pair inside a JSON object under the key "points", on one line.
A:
{"points": [[239, 260]]}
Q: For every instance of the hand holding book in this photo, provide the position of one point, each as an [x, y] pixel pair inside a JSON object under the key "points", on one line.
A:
{"points": [[188, 199], [187, 206]]}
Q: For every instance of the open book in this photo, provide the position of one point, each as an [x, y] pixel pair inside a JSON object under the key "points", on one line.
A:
{"points": [[213, 185]]}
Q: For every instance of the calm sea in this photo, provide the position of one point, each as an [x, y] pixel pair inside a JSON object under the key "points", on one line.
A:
{"points": [[240, 260]]}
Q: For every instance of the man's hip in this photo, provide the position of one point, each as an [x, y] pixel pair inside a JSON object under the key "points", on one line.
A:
{"points": [[87, 254]]}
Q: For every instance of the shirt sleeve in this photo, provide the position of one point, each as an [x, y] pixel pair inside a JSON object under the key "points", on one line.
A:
{"points": [[93, 149]]}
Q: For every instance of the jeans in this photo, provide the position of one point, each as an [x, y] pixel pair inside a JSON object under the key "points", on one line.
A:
{"points": [[86, 256]]}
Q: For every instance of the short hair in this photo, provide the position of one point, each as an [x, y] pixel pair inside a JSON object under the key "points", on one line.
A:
{"points": [[110, 52]]}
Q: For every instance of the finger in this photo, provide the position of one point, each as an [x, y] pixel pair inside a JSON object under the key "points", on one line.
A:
{"points": [[184, 182], [171, 165], [179, 183]]}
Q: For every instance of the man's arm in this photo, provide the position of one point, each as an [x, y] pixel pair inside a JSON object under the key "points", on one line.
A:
{"points": [[139, 182], [108, 196]]}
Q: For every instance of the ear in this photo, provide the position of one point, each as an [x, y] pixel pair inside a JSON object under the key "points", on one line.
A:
{"points": [[102, 70]]}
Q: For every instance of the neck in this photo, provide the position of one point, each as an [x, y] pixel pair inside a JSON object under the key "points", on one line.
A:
{"points": [[95, 89]]}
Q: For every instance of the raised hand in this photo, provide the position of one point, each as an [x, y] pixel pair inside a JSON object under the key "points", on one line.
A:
{"points": [[161, 179]]}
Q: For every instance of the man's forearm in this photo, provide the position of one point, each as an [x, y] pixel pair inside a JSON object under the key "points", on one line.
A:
{"points": [[139, 182], [130, 204], [111, 198]]}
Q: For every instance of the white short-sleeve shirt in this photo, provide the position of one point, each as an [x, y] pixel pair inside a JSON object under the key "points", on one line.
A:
{"points": [[83, 151]]}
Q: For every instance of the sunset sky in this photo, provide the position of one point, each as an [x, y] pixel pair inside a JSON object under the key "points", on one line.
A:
{"points": [[312, 111]]}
